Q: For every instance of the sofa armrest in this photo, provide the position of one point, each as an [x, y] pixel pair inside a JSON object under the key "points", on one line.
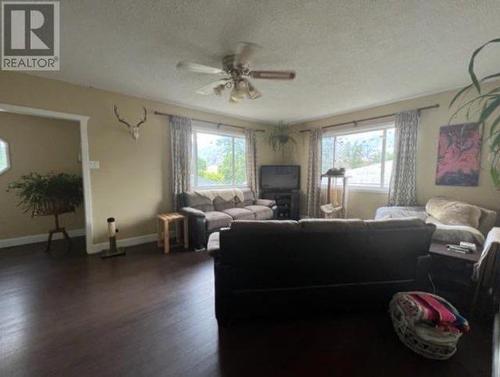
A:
{"points": [[265, 202], [189, 211], [198, 234]]}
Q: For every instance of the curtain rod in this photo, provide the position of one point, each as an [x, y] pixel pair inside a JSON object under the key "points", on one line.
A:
{"points": [[355, 122], [218, 124]]}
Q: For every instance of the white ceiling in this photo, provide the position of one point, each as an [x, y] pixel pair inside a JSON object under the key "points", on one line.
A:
{"points": [[348, 54]]}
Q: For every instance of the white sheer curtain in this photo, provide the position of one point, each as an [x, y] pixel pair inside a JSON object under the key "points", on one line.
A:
{"points": [[251, 159], [314, 173], [402, 189], [181, 147]]}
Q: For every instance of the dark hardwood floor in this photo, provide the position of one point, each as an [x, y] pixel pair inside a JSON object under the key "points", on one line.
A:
{"points": [[149, 314]]}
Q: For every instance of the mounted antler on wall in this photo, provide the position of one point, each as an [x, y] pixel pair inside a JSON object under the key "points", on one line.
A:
{"points": [[133, 130]]}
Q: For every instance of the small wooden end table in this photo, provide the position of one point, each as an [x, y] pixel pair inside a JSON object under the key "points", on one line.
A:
{"points": [[441, 250], [164, 221], [453, 271]]}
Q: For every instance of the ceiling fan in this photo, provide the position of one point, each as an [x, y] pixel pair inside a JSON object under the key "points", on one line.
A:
{"points": [[236, 71]]}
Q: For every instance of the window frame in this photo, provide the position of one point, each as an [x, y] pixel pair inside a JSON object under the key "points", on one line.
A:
{"points": [[381, 125], [7, 156], [207, 128]]}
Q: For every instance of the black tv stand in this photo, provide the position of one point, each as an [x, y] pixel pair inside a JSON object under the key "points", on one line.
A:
{"points": [[288, 203]]}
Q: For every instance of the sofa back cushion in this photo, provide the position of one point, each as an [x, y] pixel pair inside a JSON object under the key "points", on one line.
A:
{"points": [[194, 200], [394, 223], [221, 204], [264, 226], [331, 225], [267, 254], [248, 199], [452, 212], [487, 220]]}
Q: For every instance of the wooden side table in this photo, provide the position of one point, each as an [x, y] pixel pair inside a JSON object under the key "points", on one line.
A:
{"points": [[440, 249], [164, 221], [451, 271]]}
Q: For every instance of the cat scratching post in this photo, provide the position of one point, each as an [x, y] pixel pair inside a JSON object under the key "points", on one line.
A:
{"points": [[113, 251]]}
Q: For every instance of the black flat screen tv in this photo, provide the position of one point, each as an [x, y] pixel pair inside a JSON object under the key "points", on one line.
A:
{"points": [[279, 177]]}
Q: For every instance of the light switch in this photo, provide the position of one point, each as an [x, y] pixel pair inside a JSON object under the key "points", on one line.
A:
{"points": [[94, 165]]}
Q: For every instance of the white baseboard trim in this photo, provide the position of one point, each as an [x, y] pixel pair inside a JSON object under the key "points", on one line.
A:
{"points": [[25, 240], [126, 242]]}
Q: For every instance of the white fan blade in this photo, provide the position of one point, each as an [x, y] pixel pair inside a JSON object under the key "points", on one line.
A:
{"points": [[199, 68], [210, 88], [273, 75], [244, 52]]}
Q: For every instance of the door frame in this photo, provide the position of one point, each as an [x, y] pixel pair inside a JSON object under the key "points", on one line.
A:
{"points": [[84, 150]]}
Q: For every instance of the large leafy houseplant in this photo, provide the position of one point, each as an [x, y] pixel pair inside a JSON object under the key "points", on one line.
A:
{"points": [[280, 137], [487, 104], [48, 194]]}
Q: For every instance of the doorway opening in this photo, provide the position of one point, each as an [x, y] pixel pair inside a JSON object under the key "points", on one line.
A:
{"points": [[44, 146]]}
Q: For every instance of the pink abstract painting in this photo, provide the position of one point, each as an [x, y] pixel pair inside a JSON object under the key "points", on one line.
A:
{"points": [[459, 155]]}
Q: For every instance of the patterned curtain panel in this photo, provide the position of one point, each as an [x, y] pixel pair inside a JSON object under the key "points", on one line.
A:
{"points": [[251, 159], [314, 173], [402, 189], [181, 147]]}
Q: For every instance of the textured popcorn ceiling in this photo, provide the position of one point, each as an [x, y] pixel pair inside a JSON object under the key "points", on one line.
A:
{"points": [[348, 54]]}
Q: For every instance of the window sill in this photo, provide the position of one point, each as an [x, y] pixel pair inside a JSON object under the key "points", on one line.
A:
{"points": [[219, 187], [353, 188], [374, 190]]}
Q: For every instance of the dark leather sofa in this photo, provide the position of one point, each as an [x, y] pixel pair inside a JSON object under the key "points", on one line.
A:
{"points": [[289, 268]]}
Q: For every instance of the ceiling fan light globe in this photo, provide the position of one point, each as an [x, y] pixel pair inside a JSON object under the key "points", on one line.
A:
{"points": [[233, 99]]}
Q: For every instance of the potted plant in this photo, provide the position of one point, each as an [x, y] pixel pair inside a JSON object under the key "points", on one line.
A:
{"points": [[281, 136], [49, 194], [487, 104]]}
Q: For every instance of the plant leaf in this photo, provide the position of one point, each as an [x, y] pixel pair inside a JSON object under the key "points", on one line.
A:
{"points": [[467, 88], [468, 103], [494, 125], [489, 109], [472, 74]]}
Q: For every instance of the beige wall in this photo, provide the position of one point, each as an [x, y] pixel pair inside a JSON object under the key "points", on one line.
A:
{"points": [[36, 145], [363, 205], [133, 182]]}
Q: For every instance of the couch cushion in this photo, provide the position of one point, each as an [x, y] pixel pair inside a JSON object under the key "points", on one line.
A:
{"points": [[216, 220], [249, 197], [265, 202], [261, 212], [240, 213], [397, 212], [331, 225], [452, 212], [194, 200], [410, 222], [265, 226], [454, 233], [221, 204], [487, 220]]}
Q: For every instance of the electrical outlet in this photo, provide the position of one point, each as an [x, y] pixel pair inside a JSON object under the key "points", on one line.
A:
{"points": [[94, 165]]}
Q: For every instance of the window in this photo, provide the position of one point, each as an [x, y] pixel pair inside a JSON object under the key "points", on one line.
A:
{"points": [[4, 156], [218, 159], [366, 155]]}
